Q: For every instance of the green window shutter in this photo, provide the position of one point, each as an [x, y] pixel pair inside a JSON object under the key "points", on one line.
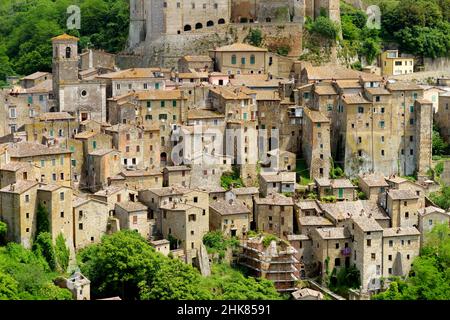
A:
{"points": [[252, 59], [157, 86], [233, 59], [174, 103], [94, 144]]}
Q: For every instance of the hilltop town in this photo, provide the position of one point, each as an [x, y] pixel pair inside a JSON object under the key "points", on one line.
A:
{"points": [[310, 169]]}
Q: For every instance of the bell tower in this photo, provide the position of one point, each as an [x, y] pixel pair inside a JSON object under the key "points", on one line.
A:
{"points": [[65, 61]]}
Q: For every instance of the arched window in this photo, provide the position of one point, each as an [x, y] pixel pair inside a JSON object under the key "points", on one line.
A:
{"points": [[68, 52], [210, 23], [252, 59], [233, 59], [187, 27], [221, 21], [243, 60], [198, 26]]}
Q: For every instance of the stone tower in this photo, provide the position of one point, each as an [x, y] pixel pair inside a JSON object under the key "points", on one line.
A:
{"points": [[65, 61], [137, 23]]}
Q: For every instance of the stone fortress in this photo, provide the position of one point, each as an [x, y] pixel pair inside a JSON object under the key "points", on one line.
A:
{"points": [[163, 31]]}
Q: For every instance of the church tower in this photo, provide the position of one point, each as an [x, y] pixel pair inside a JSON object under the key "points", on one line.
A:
{"points": [[65, 61]]}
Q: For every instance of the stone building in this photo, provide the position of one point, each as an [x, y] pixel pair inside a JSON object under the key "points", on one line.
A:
{"points": [[442, 116], [180, 175], [392, 64], [162, 246], [138, 179], [156, 198], [57, 200], [185, 224], [15, 171], [127, 81], [90, 220], [400, 247], [275, 214], [372, 185], [402, 207], [102, 164], [188, 63], [342, 189], [84, 99], [176, 29], [18, 210], [279, 182], [429, 217], [316, 143], [115, 194], [134, 216], [53, 164], [231, 217]]}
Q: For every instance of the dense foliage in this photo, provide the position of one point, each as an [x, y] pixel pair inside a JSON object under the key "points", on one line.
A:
{"points": [[125, 264], [231, 179], [26, 28], [429, 278], [441, 198], [25, 275], [215, 242], [421, 27], [62, 253], [357, 38]]}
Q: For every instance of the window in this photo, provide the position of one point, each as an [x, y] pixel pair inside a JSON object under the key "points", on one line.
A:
{"points": [[390, 257], [195, 199], [373, 256], [80, 226], [369, 242], [337, 262], [252, 59], [407, 256], [94, 145], [61, 175], [191, 217], [391, 243], [430, 222], [12, 113], [135, 219], [406, 215], [377, 98], [54, 176], [243, 60], [382, 124], [61, 196], [61, 214], [27, 215], [233, 59], [27, 198], [411, 108], [337, 245], [390, 270], [360, 109]]}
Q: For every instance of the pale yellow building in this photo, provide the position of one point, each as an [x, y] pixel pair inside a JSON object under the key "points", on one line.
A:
{"points": [[392, 64]]}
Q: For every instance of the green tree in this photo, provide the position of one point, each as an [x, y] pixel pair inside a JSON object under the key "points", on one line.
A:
{"points": [[442, 197], [370, 49], [43, 246], [119, 264], [174, 280], [255, 37], [62, 253], [8, 287], [324, 27], [439, 146], [42, 223], [3, 231]]}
